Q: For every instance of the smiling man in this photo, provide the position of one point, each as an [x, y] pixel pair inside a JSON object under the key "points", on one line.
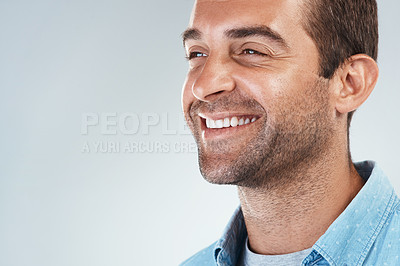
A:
{"points": [[269, 96]]}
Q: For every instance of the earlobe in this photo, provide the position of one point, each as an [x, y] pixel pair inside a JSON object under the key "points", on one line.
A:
{"points": [[358, 77]]}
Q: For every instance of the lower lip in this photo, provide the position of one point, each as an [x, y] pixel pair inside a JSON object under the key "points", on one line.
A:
{"points": [[225, 132]]}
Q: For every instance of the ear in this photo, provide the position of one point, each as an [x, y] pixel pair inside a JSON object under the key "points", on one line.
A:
{"points": [[358, 77]]}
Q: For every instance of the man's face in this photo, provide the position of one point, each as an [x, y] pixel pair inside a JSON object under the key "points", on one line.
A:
{"points": [[252, 97]]}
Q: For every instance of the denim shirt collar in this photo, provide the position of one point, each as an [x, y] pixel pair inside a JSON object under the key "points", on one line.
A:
{"points": [[229, 246], [350, 237], [347, 240]]}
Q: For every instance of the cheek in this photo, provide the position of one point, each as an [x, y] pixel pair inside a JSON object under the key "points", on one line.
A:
{"points": [[288, 94], [261, 86]]}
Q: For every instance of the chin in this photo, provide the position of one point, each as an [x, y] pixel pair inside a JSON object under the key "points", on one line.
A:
{"points": [[224, 171]]}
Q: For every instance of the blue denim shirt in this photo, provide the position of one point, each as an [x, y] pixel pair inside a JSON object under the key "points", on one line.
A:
{"points": [[367, 232]]}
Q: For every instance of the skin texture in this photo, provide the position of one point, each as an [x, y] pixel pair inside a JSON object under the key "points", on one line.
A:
{"points": [[291, 165]]}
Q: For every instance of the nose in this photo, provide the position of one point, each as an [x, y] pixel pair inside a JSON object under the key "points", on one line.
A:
{"points": [[214, 80]]}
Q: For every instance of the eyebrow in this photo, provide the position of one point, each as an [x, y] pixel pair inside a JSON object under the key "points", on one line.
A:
{"points": [[191, 34], [239, 33], [256, 31]]}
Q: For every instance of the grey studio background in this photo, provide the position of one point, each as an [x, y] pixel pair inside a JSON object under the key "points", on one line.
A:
{"points": [[70, 72]]}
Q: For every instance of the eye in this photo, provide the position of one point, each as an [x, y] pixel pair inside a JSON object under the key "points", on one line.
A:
{"points": [[253, 52], [193, 55]]}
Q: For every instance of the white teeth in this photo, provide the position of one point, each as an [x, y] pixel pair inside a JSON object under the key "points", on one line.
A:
{"points": [[212, 123], [229, 122], [234, 121]]}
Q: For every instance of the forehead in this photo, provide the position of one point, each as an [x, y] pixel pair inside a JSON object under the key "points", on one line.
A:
{"points": [[222, 14]]}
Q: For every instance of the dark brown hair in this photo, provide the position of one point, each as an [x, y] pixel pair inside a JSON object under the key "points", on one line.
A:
{"points": [[340, 29]]}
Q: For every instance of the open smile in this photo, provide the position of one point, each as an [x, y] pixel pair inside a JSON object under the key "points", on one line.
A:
{"points": [[229, 121], [219, 126]]}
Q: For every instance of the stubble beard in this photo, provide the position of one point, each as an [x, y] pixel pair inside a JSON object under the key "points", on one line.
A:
{"points": [[298, 134]]}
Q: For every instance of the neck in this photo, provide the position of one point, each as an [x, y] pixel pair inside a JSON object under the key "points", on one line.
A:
{"points": [[292, 217]]}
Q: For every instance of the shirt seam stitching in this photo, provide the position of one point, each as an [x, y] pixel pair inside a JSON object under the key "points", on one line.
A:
{"points": [[316, 261]]}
